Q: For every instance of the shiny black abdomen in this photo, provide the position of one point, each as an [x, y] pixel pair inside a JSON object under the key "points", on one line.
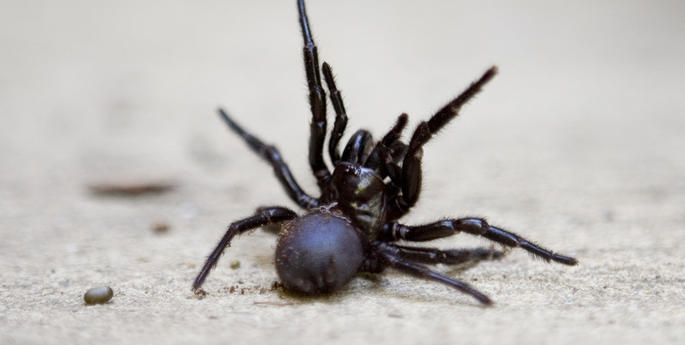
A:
{"points": [[359, 193]]}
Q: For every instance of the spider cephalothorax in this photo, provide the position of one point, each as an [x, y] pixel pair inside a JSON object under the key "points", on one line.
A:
{"points": [[352, 226]]}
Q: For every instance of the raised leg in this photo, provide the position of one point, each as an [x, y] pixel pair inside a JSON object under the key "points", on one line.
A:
{"points": [[382, 158], [383, 162], [447, 257], [264, 216], [420, 271], [357, 148], [317, 101], [391, 156], [411, 166], [474, 226], [271, 155], [340, 115]]}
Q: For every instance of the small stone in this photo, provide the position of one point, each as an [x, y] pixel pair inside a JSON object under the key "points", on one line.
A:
{"points": [[98, 295], [235, 264]]}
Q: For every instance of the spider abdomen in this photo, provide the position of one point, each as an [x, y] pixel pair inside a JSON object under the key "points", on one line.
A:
{"points": [[318, 252]]}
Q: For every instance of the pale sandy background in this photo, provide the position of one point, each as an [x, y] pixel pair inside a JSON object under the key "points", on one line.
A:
{"points": [[577, 144]]}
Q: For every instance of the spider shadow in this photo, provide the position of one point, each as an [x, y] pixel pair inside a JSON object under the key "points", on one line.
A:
{"points": [[385, 286], [373, 284]]}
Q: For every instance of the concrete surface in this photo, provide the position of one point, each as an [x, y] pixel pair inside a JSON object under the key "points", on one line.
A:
{"points": [[577, 144]]}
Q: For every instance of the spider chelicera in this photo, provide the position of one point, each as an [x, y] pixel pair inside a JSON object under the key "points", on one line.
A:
{"points": [[353, 226]]}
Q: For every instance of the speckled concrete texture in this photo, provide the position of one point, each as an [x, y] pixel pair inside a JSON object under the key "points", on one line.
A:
{"points": [[576, 144]]}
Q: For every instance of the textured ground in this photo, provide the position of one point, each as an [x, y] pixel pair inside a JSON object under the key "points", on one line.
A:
{"points": [[576, 144]]}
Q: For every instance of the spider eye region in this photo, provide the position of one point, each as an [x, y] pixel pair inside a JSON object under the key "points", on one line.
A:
{"points": [[318, 252]]}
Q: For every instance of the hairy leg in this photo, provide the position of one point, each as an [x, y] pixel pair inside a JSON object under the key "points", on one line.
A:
{"points": [[271, 155], [384, 156], [340, 115], [411, 166], [264, 216], [447, 257], [317, 101], [390, 259], [475, 226]]}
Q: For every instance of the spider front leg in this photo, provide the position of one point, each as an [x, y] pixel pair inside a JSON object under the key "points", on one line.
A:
{"points": [[411, 166], [317, 102], [264, 216], [388, 152], [340, 115], [475, 226], [273, 156]]}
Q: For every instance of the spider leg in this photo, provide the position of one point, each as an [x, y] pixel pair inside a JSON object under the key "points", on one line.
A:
{"points": [[447, 257], [263, 216], [386, 165], [391, 158], [419, 271], [411, 166], [271, 155], [382, 158], [357, 148], [340, 114], [475, 226], [317, 102]]}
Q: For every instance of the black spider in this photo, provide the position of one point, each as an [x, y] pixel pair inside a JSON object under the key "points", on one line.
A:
{"points": [[352, 227]]}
